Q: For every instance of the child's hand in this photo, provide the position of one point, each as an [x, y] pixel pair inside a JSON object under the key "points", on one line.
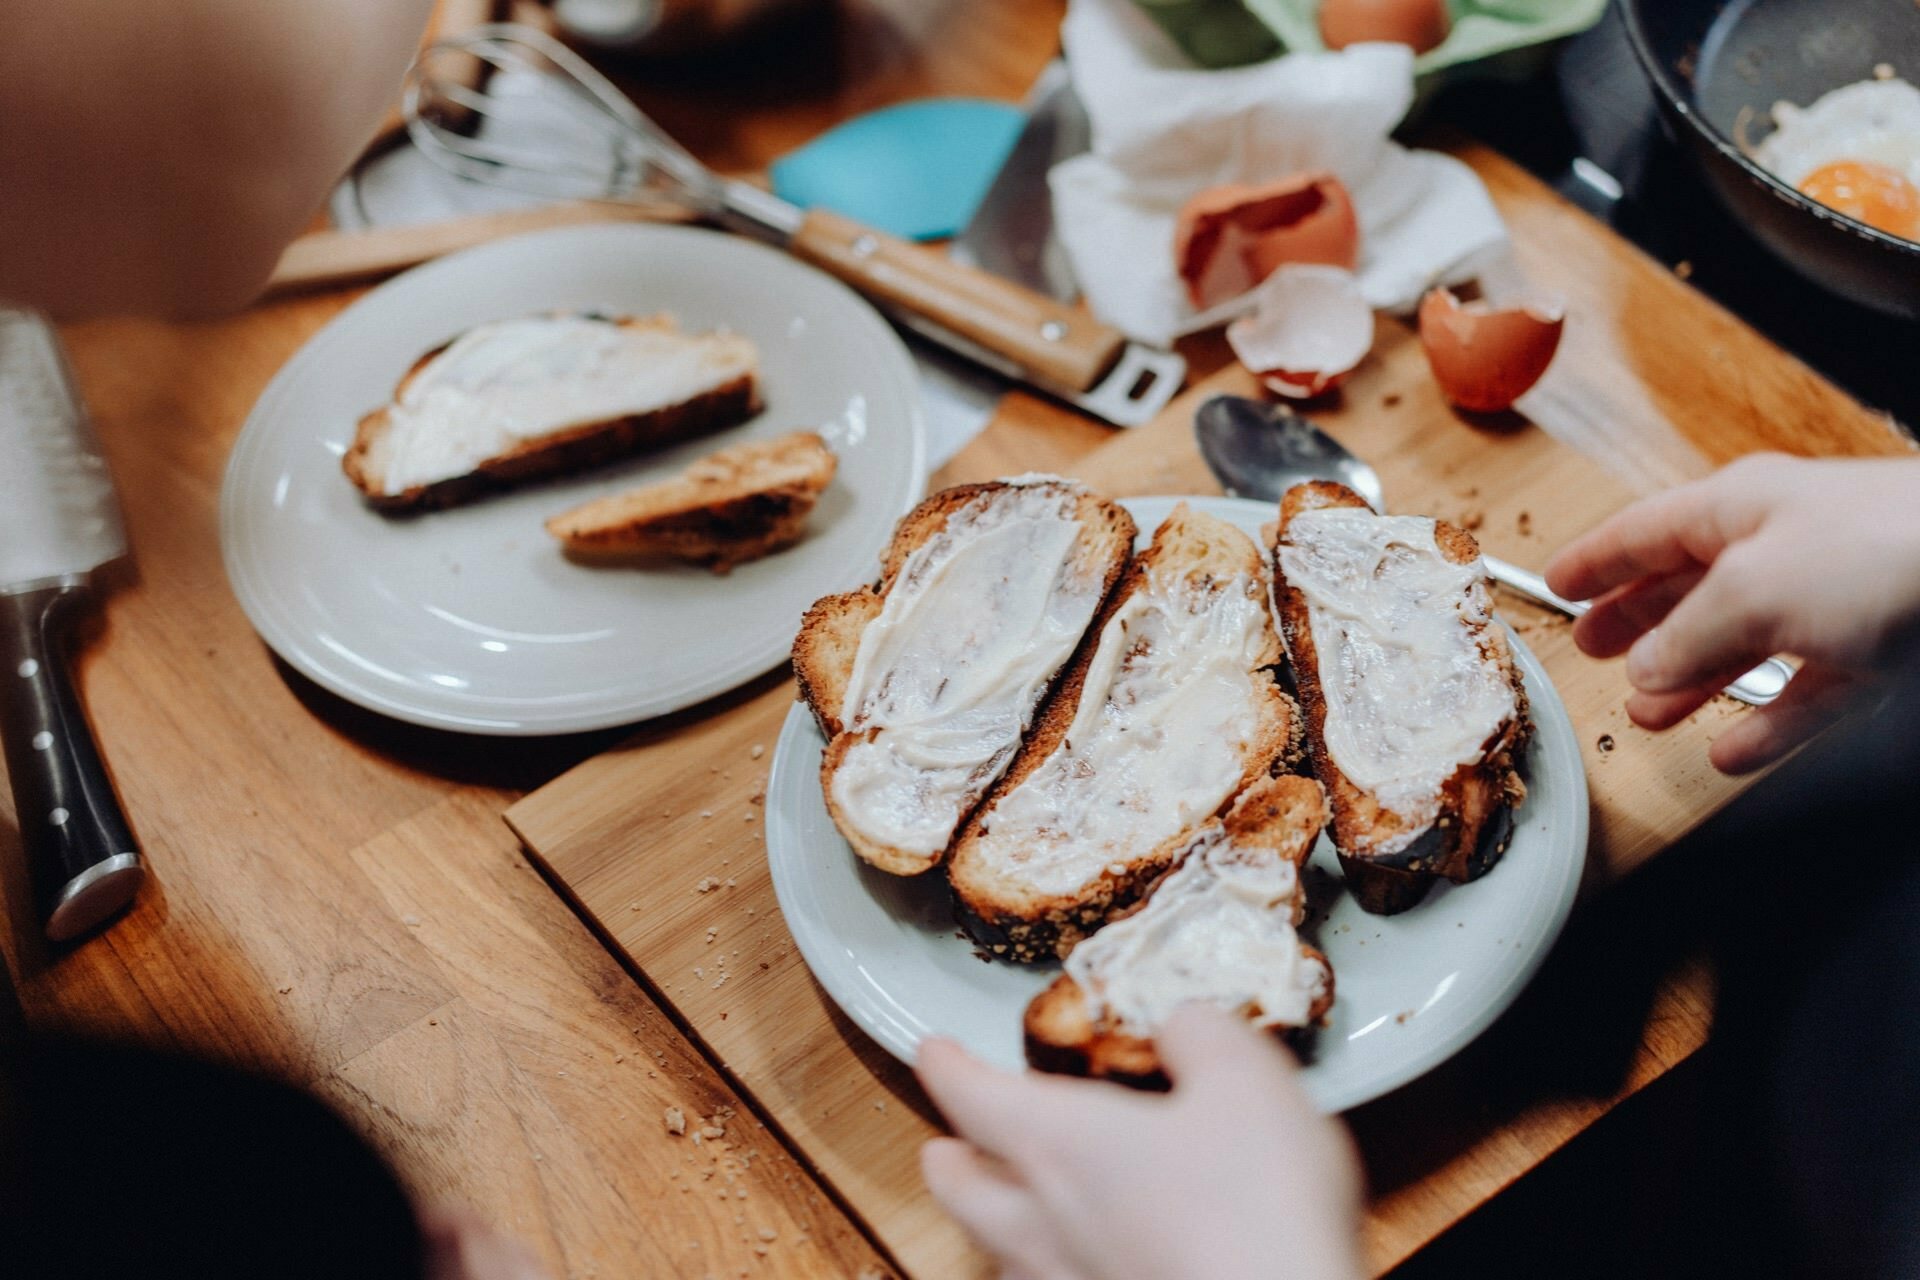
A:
{"points": [[1232, 1176]]}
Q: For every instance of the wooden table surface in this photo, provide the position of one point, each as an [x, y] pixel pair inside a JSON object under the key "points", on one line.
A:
{"points": [[334, 897]]}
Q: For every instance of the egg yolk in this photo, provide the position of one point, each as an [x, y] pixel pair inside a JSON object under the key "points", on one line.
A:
{"points": [[1869, 193]]}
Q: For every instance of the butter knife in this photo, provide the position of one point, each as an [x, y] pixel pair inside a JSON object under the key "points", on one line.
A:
{"points": [[58, 522]]}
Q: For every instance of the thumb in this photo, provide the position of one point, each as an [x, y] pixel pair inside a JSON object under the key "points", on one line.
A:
{"points": [[1203, 1043]]}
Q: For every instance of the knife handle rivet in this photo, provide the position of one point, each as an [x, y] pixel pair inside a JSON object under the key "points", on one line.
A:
{"points": [[58, 817], [1053, 331], [42, 741], [865, 246], [28, 668]]}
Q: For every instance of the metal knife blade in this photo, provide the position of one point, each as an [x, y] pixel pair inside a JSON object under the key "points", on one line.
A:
{"points": [[58, 513], [1011, 232]]}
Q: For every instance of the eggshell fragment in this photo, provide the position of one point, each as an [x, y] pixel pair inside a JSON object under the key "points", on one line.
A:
{"points": [[1485, 357], [1228, 239], [1310, 327], [1420, 23]]}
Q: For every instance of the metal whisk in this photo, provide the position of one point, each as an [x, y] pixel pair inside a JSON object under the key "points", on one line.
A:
{"points": [[511, 106]]}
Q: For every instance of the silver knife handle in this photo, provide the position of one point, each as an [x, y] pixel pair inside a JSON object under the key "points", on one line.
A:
{"points": [[81, 857], [1756, 688]]}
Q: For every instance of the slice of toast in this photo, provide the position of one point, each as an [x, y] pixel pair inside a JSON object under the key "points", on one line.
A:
{"points": [[1169, 711], [734, 505], [544, 395], [1219, 927], [1415, 711], [925, 683]]}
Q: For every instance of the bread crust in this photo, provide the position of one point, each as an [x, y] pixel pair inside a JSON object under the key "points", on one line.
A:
{"points": [[1014, 923], [579, 448], [734, 505], [1060, 1034], [830, 631], [1476, 802]]}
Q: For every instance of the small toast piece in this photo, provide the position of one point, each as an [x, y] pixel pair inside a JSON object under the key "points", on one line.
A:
{"points": [[925, 683], [1168, 712], [1440, 740], [544, 395], [734, 505], [1219, 927]]}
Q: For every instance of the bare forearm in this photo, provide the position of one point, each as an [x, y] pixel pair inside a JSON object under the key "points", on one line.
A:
{"points": [[158, 157]]}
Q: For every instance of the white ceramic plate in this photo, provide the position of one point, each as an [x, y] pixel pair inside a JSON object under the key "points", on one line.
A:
{"points": [[471, 619], [1410, 990]]}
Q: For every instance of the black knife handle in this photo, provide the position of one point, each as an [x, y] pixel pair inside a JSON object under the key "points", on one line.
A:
{"points": [[80, 855]]}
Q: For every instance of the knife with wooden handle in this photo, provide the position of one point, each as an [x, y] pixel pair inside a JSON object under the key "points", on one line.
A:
{"points": [[58, 522]]}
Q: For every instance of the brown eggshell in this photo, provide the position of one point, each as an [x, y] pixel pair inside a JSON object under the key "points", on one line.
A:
{"points": [[1483, 357], [1420, 23], [1228, 239]]}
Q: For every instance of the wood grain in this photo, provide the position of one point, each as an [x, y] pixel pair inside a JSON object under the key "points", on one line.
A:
{"points": [[334, 899], [1063, 345], [634, 834]]}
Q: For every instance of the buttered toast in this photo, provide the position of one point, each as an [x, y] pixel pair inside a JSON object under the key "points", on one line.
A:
{"points": [[1220, 927], [1415, 712], [926, 683], [1169, 711], [734, 505], [545, 395]]}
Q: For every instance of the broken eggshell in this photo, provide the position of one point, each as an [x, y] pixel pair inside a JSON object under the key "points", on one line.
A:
{"points": [[1228, 239], [1423, 24], [1310, 327], [1485, 357]]}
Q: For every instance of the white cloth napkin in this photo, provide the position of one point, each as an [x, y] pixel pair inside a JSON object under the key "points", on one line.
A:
{"points": [[1164, 130]]}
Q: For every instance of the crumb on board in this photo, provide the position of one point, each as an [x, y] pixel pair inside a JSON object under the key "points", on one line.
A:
{"points": [[1473, 519], [1606, 743], [676, 1120], [757, 751], [1683, 269], [1525, 523]]}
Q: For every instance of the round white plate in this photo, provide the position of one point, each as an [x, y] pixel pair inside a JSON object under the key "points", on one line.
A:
{"points": [[1409, 990], [471, 619]]}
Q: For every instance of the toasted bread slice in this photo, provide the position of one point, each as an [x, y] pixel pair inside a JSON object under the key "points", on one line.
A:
{"points": [[925, 683], [1415, 739], [1169, 711], [1219, 927], [734, 505], [545, 395]]}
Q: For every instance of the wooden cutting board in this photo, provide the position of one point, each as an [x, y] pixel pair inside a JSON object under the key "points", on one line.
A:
{"points": [[658, 842]]}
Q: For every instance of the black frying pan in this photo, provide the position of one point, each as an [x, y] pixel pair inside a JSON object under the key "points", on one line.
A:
{"points": [[1718, 66]]}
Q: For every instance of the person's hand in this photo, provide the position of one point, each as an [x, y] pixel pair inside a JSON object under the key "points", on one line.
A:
{"points": [[461, 1245], [1231, 1176], [1768, 555]]}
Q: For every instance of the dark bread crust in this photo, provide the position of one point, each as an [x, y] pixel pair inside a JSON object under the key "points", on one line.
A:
{"points": [[1014, 923], [1062, 1037], [830, 631], [1476, 802], [580, 448]]}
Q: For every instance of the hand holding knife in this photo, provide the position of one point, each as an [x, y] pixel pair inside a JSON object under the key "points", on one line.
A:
{"points": [[58, 522]]}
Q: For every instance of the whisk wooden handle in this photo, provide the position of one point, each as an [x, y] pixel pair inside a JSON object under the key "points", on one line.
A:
{"points": [[1055, 343]]}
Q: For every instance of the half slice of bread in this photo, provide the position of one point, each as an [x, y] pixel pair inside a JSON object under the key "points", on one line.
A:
{"points": [[734, 505], [1415, 711], [925, 683], [1169, 711], [1219, 927], [544, 395]]}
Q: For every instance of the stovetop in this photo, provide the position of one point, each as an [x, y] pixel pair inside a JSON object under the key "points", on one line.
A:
{"points": [[1598, 106]]}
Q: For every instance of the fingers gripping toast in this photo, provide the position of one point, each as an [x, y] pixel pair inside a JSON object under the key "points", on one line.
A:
{"points": [[925, 684], [1220, 927], [1168, 712], [1415, 713]]}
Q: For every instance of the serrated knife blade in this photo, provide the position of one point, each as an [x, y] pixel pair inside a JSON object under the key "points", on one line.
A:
{"points": [[58, 513]]}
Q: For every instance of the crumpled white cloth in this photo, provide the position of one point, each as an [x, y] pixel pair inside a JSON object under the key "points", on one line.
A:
{"points": [[1164, 130]]}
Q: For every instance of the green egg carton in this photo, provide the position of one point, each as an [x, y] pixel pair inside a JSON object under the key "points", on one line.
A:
{"points": [[1494, 37]]}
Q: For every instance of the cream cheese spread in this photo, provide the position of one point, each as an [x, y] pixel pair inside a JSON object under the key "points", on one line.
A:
{"points": [[1411, 694], [1219, 928], [946, 678], [502, 384], [1157, 742]]}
